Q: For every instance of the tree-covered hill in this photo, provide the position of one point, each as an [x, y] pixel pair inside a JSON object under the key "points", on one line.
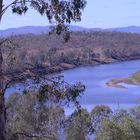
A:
{"points": [[83, 48]]}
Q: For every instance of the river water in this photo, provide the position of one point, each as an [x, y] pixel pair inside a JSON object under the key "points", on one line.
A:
{"points": [[97, 92]]}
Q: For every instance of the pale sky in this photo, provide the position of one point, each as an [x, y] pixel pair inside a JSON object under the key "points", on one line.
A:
{"points": [[98, 13]]}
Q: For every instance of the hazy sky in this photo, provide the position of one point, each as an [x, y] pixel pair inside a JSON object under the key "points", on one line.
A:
{"points": [[98, 13]]}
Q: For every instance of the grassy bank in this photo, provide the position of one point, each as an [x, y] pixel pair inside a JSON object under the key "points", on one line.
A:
{"points": [[136, 77], [132, 80]]}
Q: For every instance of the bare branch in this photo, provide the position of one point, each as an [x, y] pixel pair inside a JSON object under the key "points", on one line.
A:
{"points": [[35, 136]]}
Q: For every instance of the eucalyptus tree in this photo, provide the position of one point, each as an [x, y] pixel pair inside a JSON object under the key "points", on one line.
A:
{"points": [[110, 130], [79, 126], [98, 114], [40, 114], [33, 120], [58, 12]]}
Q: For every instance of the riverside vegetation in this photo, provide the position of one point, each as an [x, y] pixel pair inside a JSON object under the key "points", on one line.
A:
{"points": [[40, 115], [30, 118], [49, 53]]}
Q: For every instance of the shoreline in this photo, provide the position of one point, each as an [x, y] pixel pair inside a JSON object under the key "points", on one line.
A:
{"points": [[129, 81], [60, 68], [117, 82], [94, 65], [64, 67]]}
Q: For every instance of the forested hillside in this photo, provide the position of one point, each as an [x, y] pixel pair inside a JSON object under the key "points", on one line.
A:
{"points": [[83, 48]]}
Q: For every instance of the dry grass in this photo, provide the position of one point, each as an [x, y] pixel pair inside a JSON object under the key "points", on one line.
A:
{"points": [[136, 77]]}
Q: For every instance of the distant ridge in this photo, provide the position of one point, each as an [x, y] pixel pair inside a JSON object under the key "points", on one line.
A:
{"points": [[45, 29], [129, 29], [34, 30]]}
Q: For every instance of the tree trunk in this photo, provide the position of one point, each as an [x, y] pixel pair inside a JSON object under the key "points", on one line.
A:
{"points": [[1, 6], [2, 117], [2, 91], [2, 113], [2, 103]]}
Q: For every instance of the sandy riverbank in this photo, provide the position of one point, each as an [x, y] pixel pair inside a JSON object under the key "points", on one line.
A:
{"points": [[132, 80]]}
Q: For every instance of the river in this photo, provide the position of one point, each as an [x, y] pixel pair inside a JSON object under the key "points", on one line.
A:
{"points": [[97, 92]]}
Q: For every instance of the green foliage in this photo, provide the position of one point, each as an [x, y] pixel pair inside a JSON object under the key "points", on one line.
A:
{"points": [[135, 112], [131, 128], [58, 91], [136, 77], [98, 114], [26, 115], [58, 12], [125, 129], [28, 118], [39, 114], [121, 125], [118, 115], [79, 126], [110, 131]]}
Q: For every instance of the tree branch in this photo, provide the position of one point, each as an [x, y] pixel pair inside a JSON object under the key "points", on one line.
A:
{"points": [[3, 41], [15, 2], [1, 6], [35, 136]]}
